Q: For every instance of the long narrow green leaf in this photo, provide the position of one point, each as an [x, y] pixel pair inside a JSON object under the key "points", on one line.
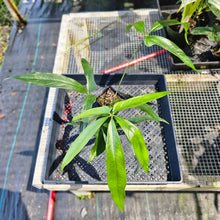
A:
{"points": [[211, 32], [165, 23], [189, 8], [138, 100], [204, 31], [88, 102], [170, 46], [115, 162], [88, 72], [140, 118], [51, 80], [135, 137], [82, 140], [147, 109], [104, 110], [214, 5], [90, 119], [186, 2], [139, 26], [100, 142]]}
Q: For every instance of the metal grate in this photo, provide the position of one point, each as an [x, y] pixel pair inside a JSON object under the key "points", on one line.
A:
{"points": [[95, 171], [196, 113], [195, 104], [112, 45]]}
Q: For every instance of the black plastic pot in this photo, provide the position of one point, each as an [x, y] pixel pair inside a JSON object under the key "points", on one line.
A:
{"points": [[164, 166], [207, 59]]}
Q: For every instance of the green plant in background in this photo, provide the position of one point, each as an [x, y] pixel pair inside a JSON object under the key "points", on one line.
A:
{"points": [[163, 42], [7, 6], [104, 123], [193, 8], [192, 11], [213, 35]]}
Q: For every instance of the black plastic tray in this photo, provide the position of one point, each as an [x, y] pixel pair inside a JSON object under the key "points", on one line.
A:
{"points": [[164, 164], [198, 65]]}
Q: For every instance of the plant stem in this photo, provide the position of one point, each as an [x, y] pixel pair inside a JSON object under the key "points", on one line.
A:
{"points": [[126, 69]]}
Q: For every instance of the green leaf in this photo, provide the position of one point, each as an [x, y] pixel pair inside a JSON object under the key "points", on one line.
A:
{"points": [[90, 119], [140, 118], [82, 140], [51, 80], [88, 102], [104, 110], [164, 23], [138, 100], [211, 32], [214, 5], [138, 165], [186, 2], [100, 142], [216, 28], [88, 72], [139, 26], [189, 8], [170, 46], [115, 162], [75, 123], [147, 109], [136, 139], [204, 31]]}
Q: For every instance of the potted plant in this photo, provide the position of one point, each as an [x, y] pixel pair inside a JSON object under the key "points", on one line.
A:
{"points": [[192, 14], [104, 122]]}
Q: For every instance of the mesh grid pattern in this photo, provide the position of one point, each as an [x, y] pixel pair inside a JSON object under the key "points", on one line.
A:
{"points": [[195, 105], [196, 113], [79, 170], [113, 45]]}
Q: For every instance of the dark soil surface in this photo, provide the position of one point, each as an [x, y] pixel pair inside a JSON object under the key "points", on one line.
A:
{"points": [[199, 51], [109, 97]]}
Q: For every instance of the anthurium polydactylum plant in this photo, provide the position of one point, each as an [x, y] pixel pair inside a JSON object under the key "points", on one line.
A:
{"points": [[150, 40], [104, 123]]}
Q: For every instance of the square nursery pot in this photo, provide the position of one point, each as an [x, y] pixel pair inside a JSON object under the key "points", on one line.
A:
{"points": [[57, 135], [176, 64]]}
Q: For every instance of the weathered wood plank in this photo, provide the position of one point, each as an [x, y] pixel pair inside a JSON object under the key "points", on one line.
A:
{"points": [[68, 206], [192, 78]]}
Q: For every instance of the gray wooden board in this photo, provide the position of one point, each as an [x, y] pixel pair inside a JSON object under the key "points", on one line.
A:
{"points": [[20, 199], [68, 206]]}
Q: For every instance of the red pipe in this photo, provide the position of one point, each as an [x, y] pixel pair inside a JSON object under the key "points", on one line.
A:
{"points": [[130, 63], [50, 207]]}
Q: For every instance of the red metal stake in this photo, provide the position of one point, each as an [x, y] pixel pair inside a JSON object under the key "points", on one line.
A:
{"points": [[50, 207], [130, 63]]}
